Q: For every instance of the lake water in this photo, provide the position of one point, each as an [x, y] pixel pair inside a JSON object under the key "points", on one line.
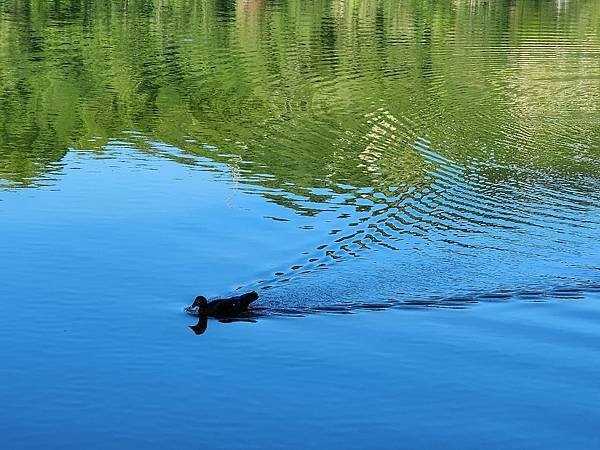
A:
{"points": [[411, 186]]}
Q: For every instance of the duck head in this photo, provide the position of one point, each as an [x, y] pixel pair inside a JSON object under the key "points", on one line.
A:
{"points": [[200, 303]]}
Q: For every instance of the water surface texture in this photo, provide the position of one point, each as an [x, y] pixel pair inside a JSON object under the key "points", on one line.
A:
{"points": [[436, 160]]}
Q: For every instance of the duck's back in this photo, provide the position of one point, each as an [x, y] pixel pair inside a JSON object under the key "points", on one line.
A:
{"points": [[248, 298], [231, 306]]}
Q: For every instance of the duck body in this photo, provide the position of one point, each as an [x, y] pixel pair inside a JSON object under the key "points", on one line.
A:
{"points": [[222, 307]]}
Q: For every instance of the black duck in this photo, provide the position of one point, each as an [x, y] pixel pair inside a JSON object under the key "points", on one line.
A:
{"points": [[222, 307]]}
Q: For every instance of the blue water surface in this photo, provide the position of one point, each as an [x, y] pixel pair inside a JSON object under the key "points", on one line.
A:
{"points": [[97, 350]]}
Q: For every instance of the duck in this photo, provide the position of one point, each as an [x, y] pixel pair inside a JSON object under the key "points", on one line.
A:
{"points": [[222, 307]]}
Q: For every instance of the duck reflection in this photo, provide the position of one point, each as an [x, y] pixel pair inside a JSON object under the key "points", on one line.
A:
{"points": [[202, 325]]}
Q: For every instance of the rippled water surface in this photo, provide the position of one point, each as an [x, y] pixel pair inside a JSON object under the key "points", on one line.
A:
{"points": [[438, 162]]}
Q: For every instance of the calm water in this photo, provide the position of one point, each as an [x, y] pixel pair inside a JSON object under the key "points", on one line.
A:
{"points": [[412, 186]]}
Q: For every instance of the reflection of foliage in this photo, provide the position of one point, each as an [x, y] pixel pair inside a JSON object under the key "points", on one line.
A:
{"points": [[298, 87]]}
